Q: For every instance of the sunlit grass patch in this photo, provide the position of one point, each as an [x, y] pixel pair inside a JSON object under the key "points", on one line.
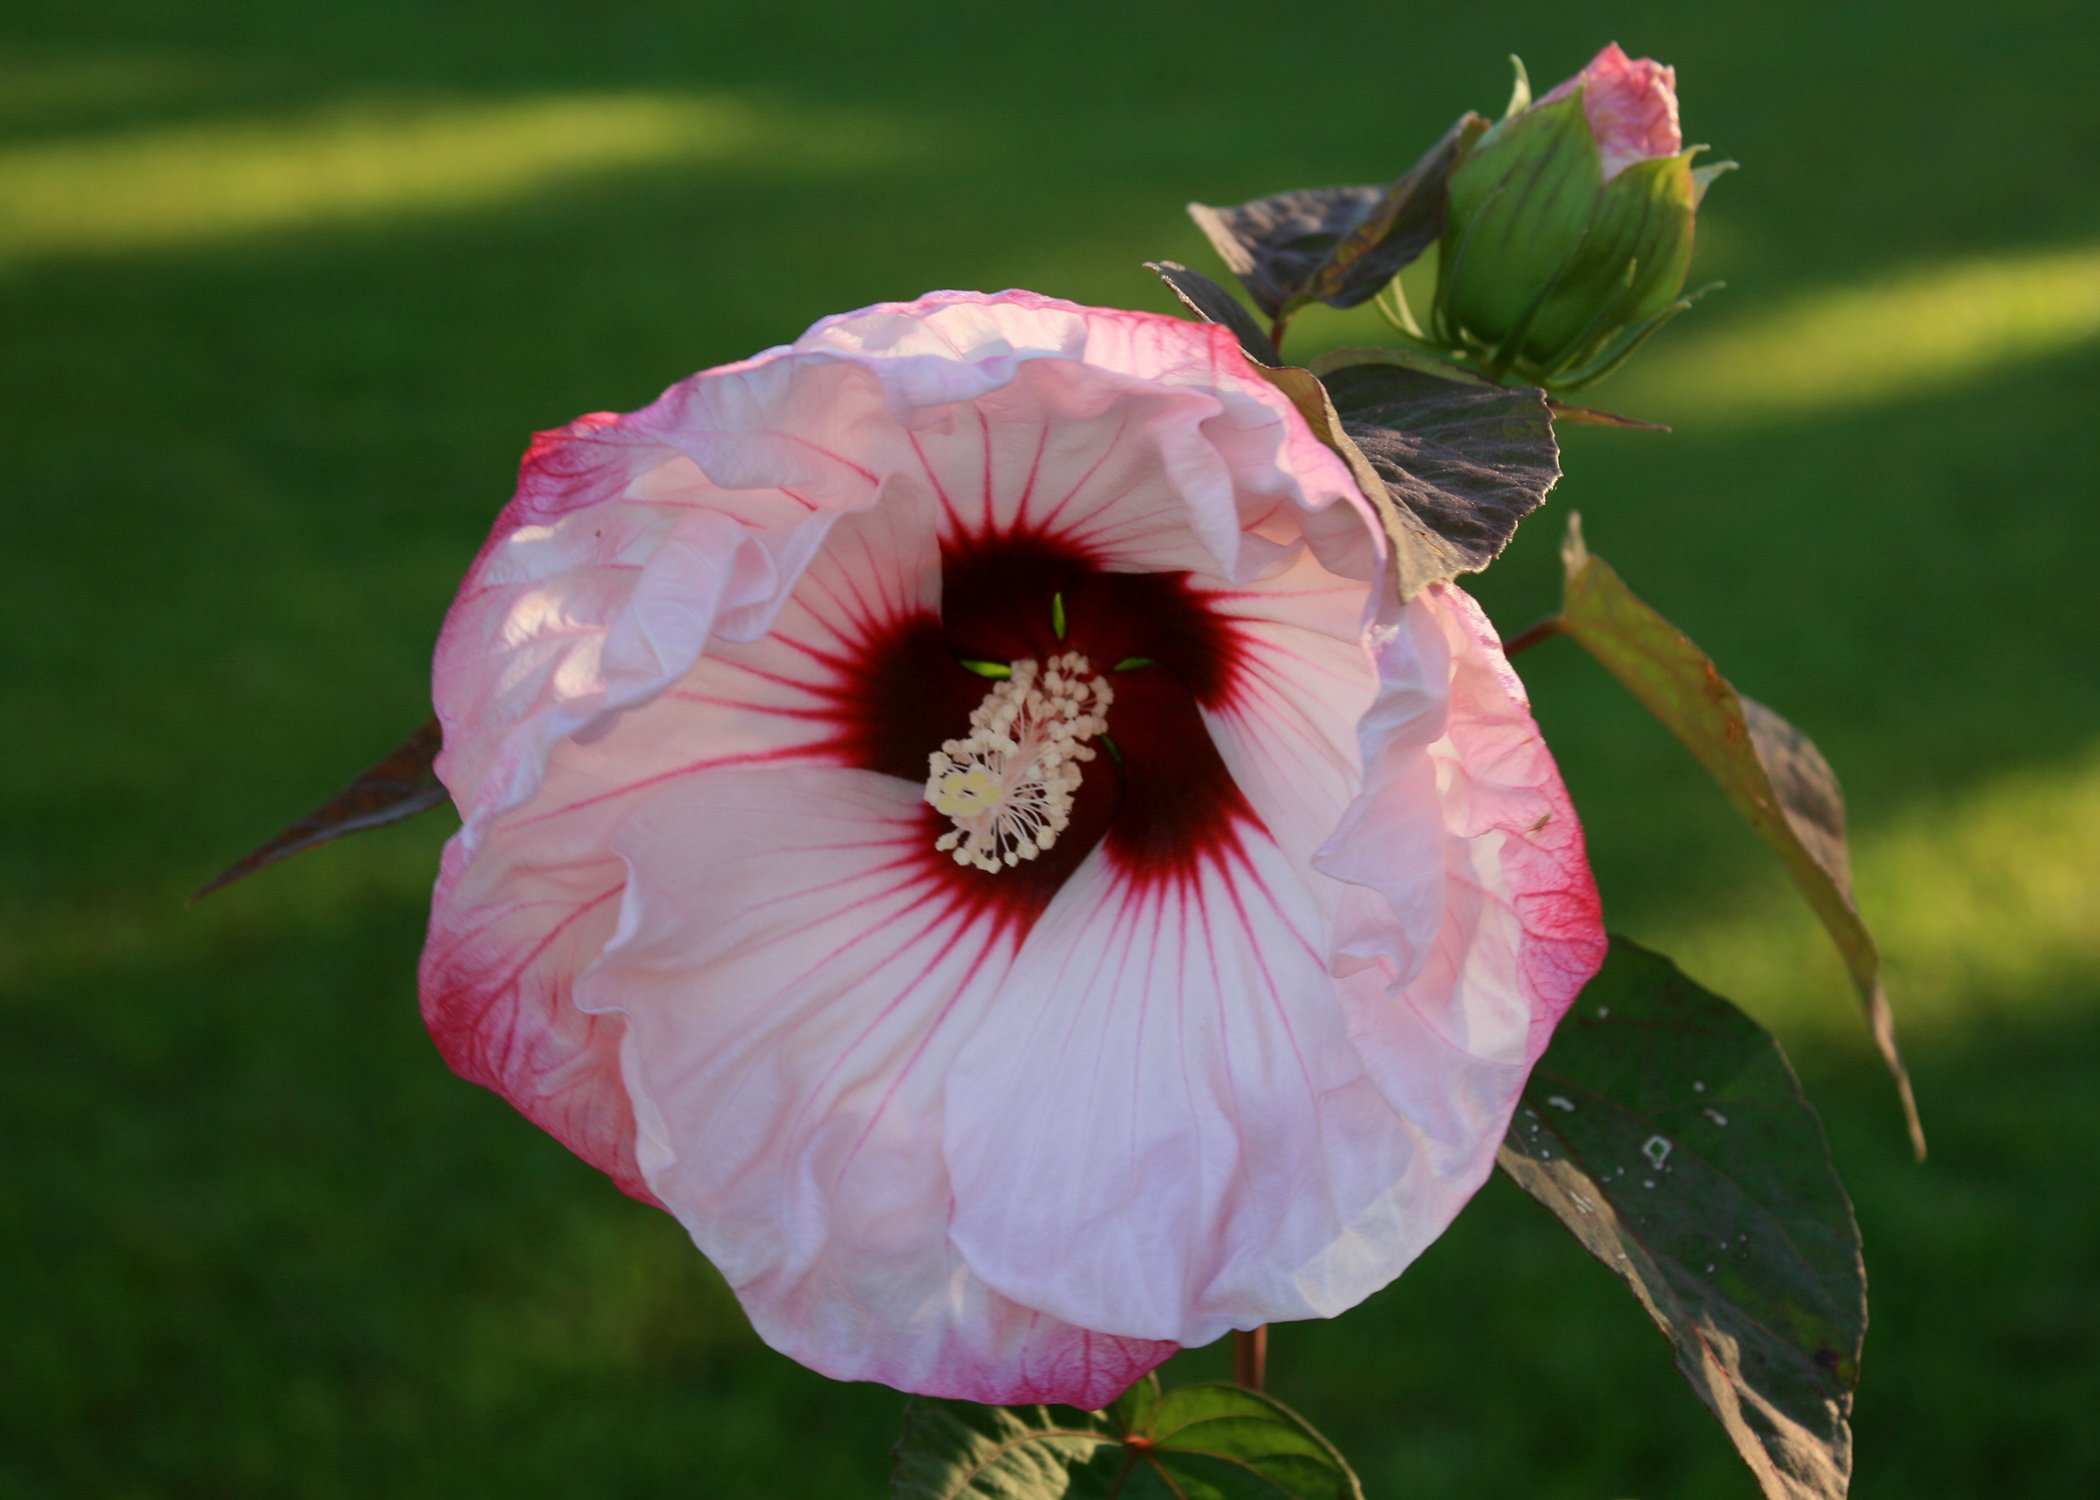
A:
{"points": [[184, 185], [1919, 331], [1983, 903]]}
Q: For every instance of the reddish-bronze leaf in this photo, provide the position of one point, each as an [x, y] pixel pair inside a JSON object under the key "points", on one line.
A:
{"points": [[399, 786], [1337, 245], [1589, 416], [1777, 780], [1212, 303]]}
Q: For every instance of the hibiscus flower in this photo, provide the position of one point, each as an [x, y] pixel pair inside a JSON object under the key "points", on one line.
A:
{"points": [[956, 812]]}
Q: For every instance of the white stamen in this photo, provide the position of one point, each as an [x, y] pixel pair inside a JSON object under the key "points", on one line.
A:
{"points": [[1008, 784]]}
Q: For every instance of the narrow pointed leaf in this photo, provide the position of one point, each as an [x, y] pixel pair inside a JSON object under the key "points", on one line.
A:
{"points": [[399, 786], [1666, 1130], [1703, 177], [1212, 303], [1201, 1442], [1405, 221], [1465, 459], [1336, 245], [1326, 364], [1623, 346], [1589, 416], [1775, 778]]}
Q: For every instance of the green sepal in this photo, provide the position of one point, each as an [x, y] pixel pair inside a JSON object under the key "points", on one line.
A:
{"points": [[1621, 348], [1520, 89], [1628, 268], [1550, 274], [1703, 177], [1516, 204]]}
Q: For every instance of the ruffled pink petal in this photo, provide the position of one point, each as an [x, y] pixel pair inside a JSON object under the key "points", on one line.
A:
{"points": [[1302, 679], [603, 584], [519, 912], [509, 931], [1149, 441], [1160, 1128], [1631, 106], [1449, 1030], [1516, 845], [795, 973]]}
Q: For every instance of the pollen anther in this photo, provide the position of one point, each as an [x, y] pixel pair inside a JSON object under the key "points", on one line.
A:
{"points": [[1008, 784]]}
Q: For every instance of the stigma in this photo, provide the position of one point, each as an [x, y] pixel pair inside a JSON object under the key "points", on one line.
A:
{"points": [[1008, 784]]}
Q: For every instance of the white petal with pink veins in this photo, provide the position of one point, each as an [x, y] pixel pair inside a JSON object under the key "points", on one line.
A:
{"points": [[1161, 1129], [795, 973], [1303, 677], [519, 912], [589, 616]]}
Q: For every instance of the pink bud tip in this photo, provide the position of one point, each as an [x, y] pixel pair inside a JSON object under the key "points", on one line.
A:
{"points": [[1631, 104]]}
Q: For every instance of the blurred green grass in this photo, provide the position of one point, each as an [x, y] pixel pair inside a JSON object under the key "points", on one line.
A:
{"points": [[284, 287]]}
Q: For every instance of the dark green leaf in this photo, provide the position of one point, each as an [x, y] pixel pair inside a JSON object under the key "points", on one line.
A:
{"points": [[1212, 303], [401, 785], [1768, 769], [1467, 460], [1336, 245], [1666, 1130], [1201, 1442]]}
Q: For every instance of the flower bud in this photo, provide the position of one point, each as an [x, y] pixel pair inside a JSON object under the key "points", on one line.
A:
{"points": [[1569, 227]]}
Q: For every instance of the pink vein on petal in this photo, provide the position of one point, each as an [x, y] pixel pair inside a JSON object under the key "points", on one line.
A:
{"points": [[806, 754], [940, 491], [1114, 441], [969, 976], [1035, 469], [837, 458]]}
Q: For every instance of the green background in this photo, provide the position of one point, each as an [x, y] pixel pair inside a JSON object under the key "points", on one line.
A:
{"points": [[283, 289]]}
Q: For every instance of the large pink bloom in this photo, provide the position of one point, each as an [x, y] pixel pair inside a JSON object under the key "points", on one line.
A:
{"points": [[1232, 1049]]}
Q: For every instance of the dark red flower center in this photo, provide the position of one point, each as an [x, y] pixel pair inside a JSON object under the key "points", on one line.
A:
{"points": [[1157, 798]]}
